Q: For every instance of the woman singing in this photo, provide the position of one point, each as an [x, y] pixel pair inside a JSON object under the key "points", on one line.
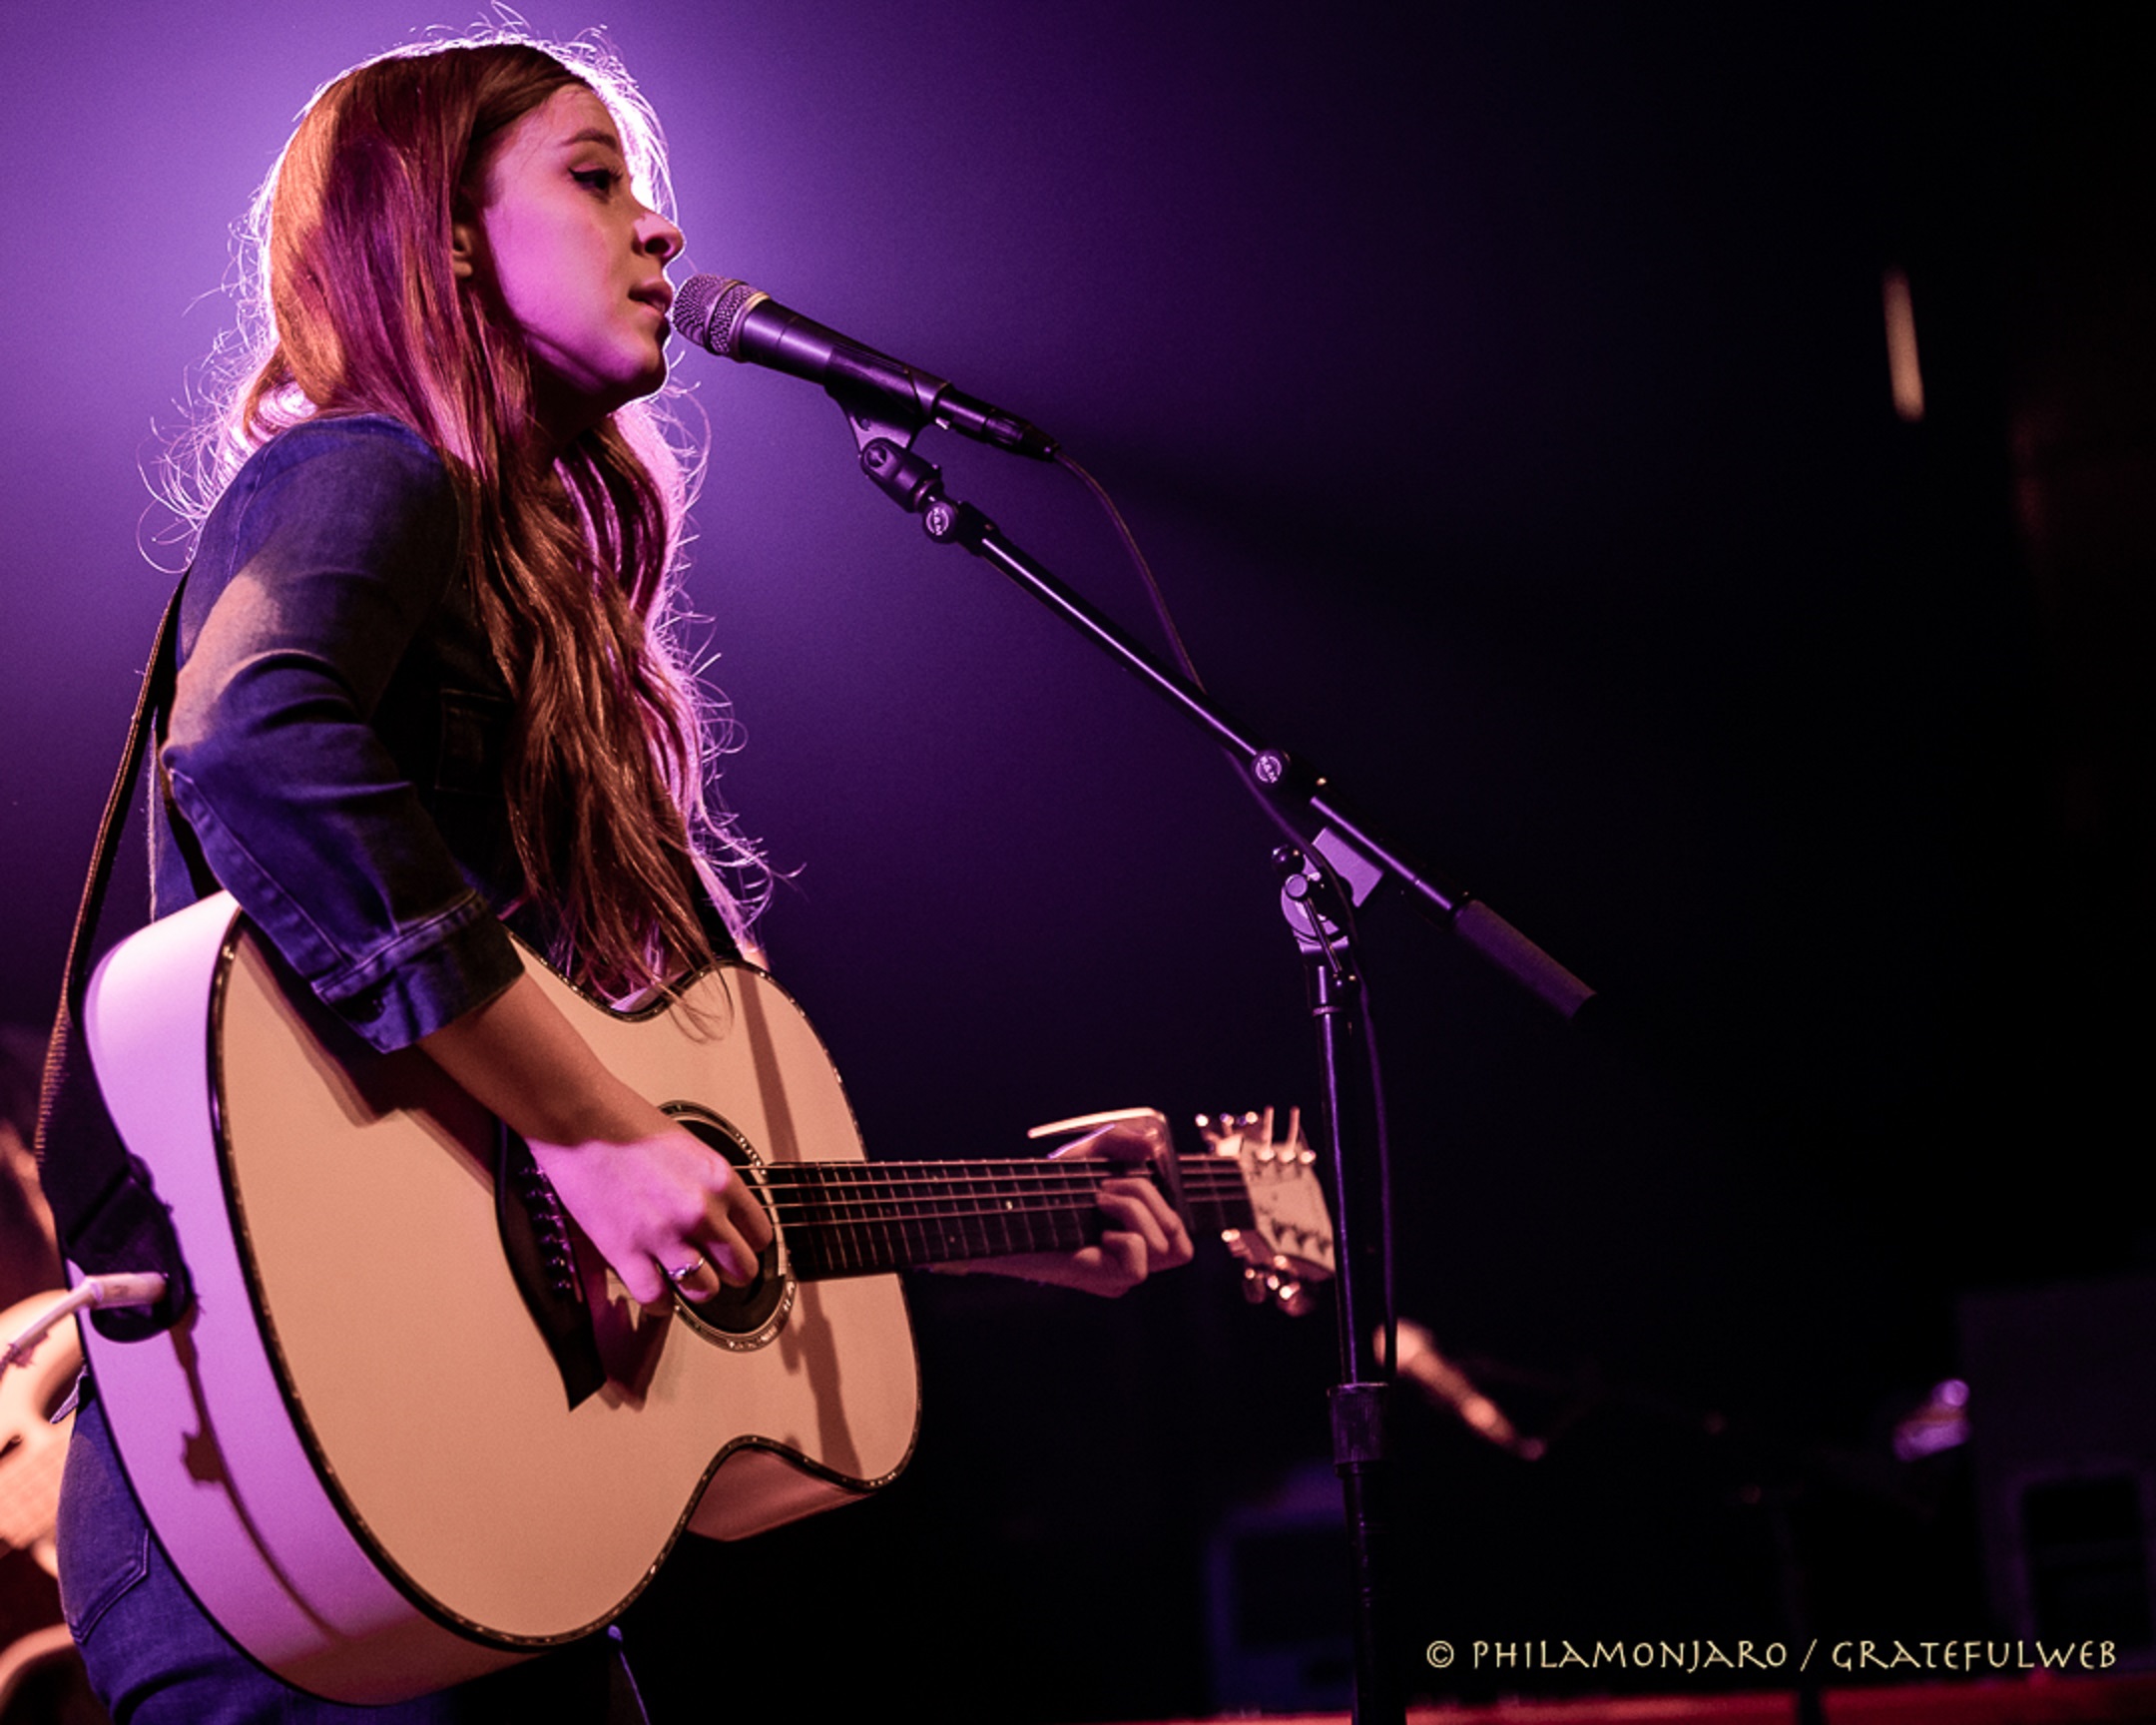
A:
{"points": [[427, 693]]}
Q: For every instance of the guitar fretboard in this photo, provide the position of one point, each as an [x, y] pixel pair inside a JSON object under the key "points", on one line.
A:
{"points": [[869, 1218]]}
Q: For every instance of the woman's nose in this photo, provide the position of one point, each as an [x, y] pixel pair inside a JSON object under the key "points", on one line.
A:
{"points": [[660, 236]]}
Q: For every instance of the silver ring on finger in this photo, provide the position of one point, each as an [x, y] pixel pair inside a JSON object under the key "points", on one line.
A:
{"points": [[686, 1271]]}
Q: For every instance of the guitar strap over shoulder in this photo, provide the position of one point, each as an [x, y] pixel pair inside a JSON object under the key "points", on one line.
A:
{"points": [[110, 1219]]}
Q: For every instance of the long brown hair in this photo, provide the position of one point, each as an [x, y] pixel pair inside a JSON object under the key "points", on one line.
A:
{"points": [[574, 557]]}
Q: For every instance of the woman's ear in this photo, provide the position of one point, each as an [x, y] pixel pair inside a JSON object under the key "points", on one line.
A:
{"points": [[465, 244]]}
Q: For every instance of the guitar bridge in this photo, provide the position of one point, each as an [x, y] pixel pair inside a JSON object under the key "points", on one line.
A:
{"points": [[541, 1252]]}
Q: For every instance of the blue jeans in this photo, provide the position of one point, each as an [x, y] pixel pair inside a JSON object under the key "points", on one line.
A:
{"points": [[154, 1659]]}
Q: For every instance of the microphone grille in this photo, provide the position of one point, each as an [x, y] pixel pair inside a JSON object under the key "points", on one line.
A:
{"points": [[709, 310]]}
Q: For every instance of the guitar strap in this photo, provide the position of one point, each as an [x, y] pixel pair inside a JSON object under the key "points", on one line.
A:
{"points": [[109, 1217]]}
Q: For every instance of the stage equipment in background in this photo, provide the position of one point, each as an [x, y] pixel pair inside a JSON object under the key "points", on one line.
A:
{"points": [[41, 1676], [1278, 1630], [36, 1416], [2063, 1442]]}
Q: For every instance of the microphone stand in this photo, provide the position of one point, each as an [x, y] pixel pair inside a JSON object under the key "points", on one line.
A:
{"points": [[1336, 864]]}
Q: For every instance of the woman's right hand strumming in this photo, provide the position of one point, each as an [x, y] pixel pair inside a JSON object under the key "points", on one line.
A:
{"points": [[658, 1203]]}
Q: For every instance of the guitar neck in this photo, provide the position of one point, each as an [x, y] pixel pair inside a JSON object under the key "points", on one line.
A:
{"points": [[869, 1218]]}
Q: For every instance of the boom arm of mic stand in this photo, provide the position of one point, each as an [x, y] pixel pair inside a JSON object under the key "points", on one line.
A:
{"points": [[1299, 793]]}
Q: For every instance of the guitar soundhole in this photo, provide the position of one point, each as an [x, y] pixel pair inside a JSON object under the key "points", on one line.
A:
{"points": [[738, 1318]]}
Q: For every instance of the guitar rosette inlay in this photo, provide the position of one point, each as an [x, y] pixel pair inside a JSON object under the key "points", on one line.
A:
{"points": [[739, 1319]]}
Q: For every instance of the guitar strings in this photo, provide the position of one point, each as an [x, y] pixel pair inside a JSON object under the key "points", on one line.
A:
{"points": [[876, 1214], [841, 1188], [868, 1186], [1074, 1173], [871, 1216], [859, 1185], [872, 1209], [977, 1198]]}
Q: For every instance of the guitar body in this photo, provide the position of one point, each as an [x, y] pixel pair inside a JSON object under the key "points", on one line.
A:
{"points": [[357, 1449]]}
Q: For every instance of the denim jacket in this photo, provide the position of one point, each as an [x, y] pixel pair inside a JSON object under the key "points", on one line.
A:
{"points": [[337, 732]]}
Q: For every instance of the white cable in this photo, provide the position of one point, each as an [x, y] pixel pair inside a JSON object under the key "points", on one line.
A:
{"points": [[126, 1288]]}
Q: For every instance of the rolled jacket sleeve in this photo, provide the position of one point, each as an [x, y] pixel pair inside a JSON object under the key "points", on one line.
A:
{"points": [[328, 559]]}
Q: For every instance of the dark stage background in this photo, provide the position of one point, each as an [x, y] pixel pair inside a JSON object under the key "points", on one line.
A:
{"points": [[1502, 394]]}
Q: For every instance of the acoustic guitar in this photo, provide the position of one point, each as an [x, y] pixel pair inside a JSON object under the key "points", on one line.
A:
{"points": [[407, 1434]]}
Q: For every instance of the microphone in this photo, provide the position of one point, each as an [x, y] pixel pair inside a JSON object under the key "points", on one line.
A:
{"points": [[1448, 1387], [745, 324]]}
